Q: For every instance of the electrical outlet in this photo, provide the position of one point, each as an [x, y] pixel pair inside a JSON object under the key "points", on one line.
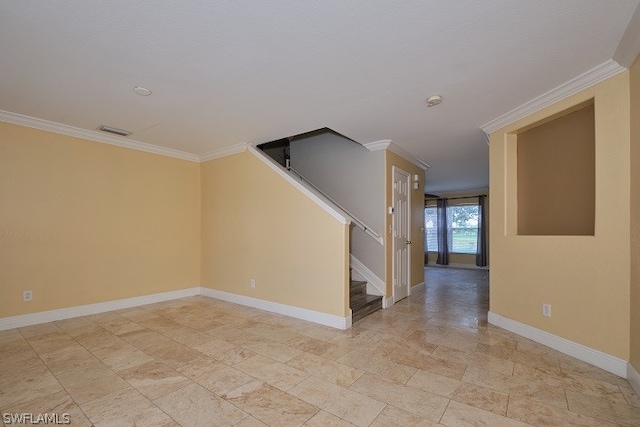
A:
{"points": [[27, 296], [546, 309], [252, 283]]}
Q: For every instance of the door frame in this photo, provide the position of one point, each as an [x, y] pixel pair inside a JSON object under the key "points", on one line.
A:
{"points": [[403, 172]]}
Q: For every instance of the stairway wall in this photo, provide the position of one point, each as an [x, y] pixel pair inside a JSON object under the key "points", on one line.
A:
{"points": [[354, 177], [257, 225], [367, 251]]}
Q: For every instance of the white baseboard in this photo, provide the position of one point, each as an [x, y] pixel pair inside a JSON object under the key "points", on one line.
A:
{"points": [[418, 286], [85, 310], [634, 378], [287, 310], [458, 265], [605, 361], [368, 275], [387, 301]]}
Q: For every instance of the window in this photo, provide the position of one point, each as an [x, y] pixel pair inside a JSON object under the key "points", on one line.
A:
{"points": [[462, 228], [463, 233], [431, 228]]}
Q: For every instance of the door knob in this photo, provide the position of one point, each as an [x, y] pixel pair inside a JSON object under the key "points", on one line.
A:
{"points": [[408, 242]]}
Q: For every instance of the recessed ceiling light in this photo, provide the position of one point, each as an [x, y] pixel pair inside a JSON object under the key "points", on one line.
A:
{"points": [[434, 100], [142, 91]]}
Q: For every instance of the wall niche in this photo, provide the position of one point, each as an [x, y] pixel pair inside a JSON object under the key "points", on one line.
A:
{"points": [[556, 174]]}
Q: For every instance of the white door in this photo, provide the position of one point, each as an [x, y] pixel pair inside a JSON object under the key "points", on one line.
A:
{"points": [[401, 235]]}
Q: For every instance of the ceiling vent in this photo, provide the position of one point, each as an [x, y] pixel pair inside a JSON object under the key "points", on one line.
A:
{"points": [[115, 131]]}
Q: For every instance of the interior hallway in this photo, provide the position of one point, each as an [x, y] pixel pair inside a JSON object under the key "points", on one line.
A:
{"points": [[429, 360]]}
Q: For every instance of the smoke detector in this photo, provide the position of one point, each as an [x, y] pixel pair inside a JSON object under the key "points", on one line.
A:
{"points": [[143, 91]]}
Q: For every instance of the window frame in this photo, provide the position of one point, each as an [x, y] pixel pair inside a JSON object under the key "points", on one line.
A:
{"points": [[431, 204]]}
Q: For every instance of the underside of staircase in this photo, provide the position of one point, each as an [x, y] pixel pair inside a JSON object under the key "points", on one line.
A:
{"points": [[360, 302]]}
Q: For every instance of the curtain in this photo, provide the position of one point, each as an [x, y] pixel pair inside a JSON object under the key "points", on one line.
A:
{"points": [[426, 247], [481, 251], [443, 234]]}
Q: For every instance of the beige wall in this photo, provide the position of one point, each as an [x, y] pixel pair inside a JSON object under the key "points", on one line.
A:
{"points": [[635, 216], [391, 159], [84, 222], [257, 225], [584, 278]]}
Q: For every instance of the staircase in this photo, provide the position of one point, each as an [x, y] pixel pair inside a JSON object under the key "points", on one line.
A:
{"points": [[360, 302]]}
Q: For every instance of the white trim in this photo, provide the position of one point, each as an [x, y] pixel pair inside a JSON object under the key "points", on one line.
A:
{"points": [[383, 144], [377, 237], [324, 196], [102, 307], [223, 152], [93, 135], [126, 142], [486, 138], [634, 378], [387, 302], [595, 75], [418, 286], [602, 360], [85, 310], [367, 274], [280, 171], [387, 144], [629, 46], [459, 265], [396, 170], [275, 307]]}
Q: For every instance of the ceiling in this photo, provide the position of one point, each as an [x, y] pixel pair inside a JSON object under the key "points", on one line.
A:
{"points": [[230, 72]]}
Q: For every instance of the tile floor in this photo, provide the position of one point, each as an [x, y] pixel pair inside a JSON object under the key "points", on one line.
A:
{"points": [[430, 360]]}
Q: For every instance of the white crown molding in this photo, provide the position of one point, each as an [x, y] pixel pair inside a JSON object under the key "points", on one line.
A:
{"points": [[223, 152], [629, 46], [387, 144], [486, 138], [125, 142], [634, 378], [602, 360], [92, 135], [297, 184], [275, 307], [86, 310], [383, 144], [595, 75], [367, 274]]}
